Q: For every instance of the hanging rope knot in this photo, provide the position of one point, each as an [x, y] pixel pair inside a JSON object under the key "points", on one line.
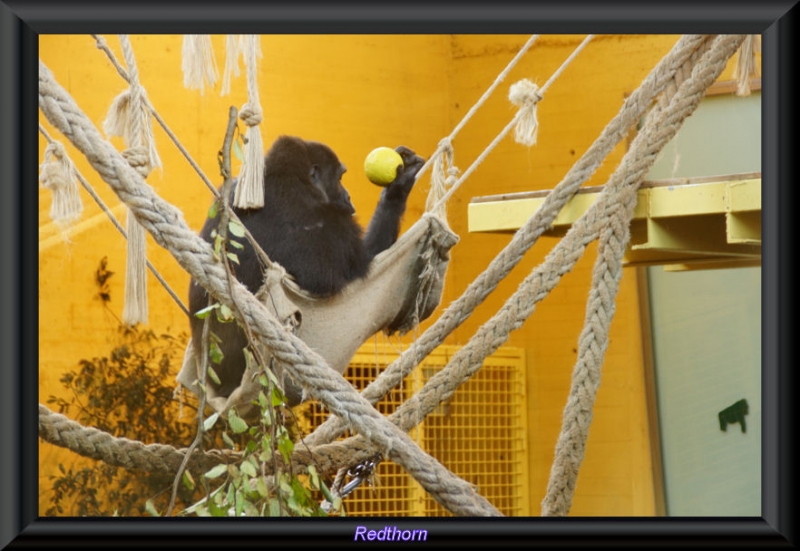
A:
{"points": [[446, 145], [525, 95], [55, 158], [452, 176], [58, 175], [250, 114], [139, 158]]}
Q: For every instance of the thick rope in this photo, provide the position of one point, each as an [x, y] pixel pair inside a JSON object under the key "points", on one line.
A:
{"points": [[631, 112], [166, 225], [662, 126], [121, 452], [59, 430]]}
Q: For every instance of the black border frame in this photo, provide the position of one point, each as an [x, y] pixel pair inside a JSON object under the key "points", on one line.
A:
{"points": [[21, 22]]}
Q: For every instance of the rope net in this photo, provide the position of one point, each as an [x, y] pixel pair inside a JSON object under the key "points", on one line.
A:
{"points": [[677, 83]]}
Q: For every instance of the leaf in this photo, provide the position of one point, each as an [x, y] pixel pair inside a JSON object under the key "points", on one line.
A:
{"points": [[249, 510], [228, 440], [248, 469], [277, 396], [236, 228], [216, 472], [327, 493], [261, 486], [204, 312], [209, 422], [188, 481], [213, 374], [312, 472], [272, 377], [213, 210], [151, 509], [236, 244], [216, 355], [233, 258], [286, 447], [237, 150], [237, 424], [274, 507], [225, 314], [249, 359]]}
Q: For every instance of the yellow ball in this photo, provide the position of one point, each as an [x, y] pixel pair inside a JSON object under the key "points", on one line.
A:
{"points": [[381, 165]]}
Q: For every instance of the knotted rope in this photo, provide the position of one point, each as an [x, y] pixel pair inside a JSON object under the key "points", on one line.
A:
{"points": [[129, 117], [249, 192], [58, 174]]}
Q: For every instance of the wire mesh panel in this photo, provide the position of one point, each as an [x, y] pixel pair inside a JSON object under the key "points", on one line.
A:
{"points": [[480, 434]]}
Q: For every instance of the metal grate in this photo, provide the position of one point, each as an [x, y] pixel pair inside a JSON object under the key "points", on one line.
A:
{"points": [[479, 434]]}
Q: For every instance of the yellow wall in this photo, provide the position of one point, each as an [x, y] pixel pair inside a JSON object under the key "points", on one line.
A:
{"points": [[354, 93]]}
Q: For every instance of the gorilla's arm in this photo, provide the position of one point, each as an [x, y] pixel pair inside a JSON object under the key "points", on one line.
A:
{"points": [[384, 226]]}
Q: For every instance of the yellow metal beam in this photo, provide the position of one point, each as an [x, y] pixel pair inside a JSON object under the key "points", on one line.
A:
{"points": [[682, 222]]}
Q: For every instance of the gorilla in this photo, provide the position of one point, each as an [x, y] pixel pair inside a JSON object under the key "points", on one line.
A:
{"points": [[307, 225]]}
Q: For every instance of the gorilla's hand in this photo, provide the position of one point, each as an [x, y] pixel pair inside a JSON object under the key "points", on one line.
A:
{"points": [[406, 174]]}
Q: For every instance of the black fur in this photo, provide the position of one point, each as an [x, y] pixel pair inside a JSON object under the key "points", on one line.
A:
{"points": [[307, 226]]}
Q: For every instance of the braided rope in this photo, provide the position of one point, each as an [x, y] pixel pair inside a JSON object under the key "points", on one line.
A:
{"points": [[166, 225], [60, 430], [661, 126]]}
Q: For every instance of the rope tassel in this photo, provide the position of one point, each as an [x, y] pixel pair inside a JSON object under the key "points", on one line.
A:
{"points": [[135, 310], [129, 117], [57, 173], [747, 64], [525, 95], [249, 192], [199, 64], [234, 47]]}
